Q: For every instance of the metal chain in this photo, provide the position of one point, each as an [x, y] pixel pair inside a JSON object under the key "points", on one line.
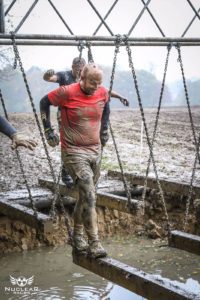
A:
{"points": [[156, 124], [56, 184], [21, 164], [80, 48], [147, 135], [190, 194], [90, 57], [17, 56], [118, 41], [187, 99], [64, 211], [197, 156]]}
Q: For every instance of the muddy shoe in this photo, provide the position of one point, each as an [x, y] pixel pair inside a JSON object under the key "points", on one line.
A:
{"points": [[80, 244], [96, 250]]}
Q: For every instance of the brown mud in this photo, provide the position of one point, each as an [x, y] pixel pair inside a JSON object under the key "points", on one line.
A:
{"points": [[174, 153]]}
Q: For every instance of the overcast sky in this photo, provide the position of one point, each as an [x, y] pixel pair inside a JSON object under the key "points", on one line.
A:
{"points": [[173, 17]]}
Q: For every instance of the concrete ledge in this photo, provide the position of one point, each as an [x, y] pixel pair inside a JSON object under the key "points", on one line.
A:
{"points": [[149, 286], [185, 241]]}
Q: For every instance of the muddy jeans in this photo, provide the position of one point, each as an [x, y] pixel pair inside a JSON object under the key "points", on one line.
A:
{"points": [[85, 171]]}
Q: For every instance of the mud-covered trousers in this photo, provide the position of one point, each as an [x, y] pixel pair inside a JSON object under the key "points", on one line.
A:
{"points": [[85, 171]]}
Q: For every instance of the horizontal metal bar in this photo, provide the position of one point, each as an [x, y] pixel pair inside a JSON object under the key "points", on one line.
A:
{"points": [[100, 38], [25, 42]]}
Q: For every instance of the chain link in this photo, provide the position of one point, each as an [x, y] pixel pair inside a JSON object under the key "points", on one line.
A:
{"points": [[90, 57], [190, 194], [156, 125], [21, 164], [147, 135], [56, 184], [81, 46], [197, 156], [187, 99], [118, 42]]}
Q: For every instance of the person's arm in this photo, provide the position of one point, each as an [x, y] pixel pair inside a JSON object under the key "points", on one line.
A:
{"points": [[104, 136], [123, 100], [51, 136], [18, 138], [6, 128], [50, 76]]}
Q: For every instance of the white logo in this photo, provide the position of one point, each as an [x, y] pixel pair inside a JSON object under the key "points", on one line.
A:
{"points": [[21, 286], [21, 281]]}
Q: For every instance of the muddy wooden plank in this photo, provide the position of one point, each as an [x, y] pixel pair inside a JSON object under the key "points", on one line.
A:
{"points": [[23, 193], [167, 185], [118, 202], [185, 241], [103, 199], [147, 285], [42, 198], [26, 215]]}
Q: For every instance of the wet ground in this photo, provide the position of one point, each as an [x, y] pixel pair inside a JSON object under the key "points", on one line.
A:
{"points": [[56, 277], [54, 274], [174, 149]]}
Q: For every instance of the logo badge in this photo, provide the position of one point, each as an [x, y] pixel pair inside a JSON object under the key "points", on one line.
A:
{"points": [[21, 281]]}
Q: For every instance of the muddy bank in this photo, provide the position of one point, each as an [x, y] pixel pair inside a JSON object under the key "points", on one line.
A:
{"points": [[174, 153]]}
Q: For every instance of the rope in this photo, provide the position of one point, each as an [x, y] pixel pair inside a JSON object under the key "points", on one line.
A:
{"points": [[21, 164], [147, 135]]}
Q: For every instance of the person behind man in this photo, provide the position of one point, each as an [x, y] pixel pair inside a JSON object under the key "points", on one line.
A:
{"points": [[82, 105], [18, 139], [67, 78]]}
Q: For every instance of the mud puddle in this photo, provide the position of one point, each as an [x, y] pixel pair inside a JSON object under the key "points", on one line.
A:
{"points": [[54, 276]]}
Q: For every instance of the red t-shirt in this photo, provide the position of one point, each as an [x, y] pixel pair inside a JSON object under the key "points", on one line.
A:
{"points": [[80, 117]]}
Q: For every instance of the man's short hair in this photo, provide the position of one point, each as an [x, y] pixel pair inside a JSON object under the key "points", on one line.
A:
{"points": [[78, 60]]}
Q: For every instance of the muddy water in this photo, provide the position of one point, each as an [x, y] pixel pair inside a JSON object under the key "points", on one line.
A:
{"points": [[56, 277]]}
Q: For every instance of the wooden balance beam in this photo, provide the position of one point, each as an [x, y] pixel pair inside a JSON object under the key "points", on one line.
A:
{"points": [[167, 185], [185, 241], [42, 198], [147, 285], [16, 211], [178, 239], [103, 198]]}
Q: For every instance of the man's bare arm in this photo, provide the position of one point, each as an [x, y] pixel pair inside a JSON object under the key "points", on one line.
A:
{"points": [[123, 100]]}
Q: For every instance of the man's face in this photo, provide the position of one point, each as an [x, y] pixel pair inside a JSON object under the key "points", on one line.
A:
{"points": [[76, 70], [91, 83]]}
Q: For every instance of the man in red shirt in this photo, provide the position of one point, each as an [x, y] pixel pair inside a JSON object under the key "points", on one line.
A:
{"points": [[82, 105]]}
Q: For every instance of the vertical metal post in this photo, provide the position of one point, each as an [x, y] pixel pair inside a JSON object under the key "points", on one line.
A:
{"points": [[2, 23]]}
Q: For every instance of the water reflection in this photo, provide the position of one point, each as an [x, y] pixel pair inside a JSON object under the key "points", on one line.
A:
{"points": [[56, 277]]}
